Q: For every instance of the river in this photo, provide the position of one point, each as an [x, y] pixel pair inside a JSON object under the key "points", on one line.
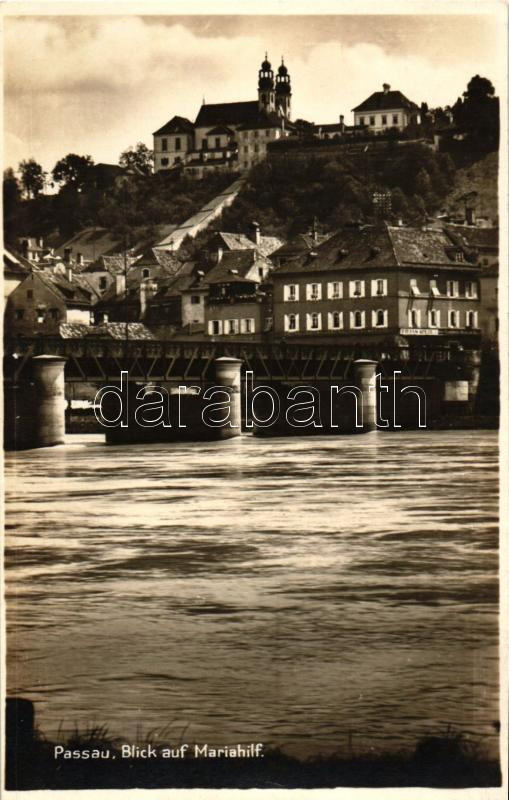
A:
{"points": [[317, 594]]}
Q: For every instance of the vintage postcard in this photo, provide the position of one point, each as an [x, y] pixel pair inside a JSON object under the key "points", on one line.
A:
{"points": [[255, 399]]}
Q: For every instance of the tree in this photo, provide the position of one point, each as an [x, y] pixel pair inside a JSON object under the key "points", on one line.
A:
{"points": [[73, 171], [11, 189], [12, 198], [477, 113], [32, 177], [139, 157]]}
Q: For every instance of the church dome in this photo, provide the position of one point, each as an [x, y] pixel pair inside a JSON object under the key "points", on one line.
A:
{"points": [[266, 65], [282, 69]]}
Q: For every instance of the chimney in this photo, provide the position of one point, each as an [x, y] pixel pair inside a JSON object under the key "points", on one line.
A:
{"points": [[342, 122], [40, 242], [119, 283], [219, 255], [386, 88], [24, 248], [79, 259], [470, 216], [68, 273], [314, 231], [256, 233], [67, 255]]}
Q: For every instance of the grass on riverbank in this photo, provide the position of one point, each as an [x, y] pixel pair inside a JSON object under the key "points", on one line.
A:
{"points": [[447, 761]]}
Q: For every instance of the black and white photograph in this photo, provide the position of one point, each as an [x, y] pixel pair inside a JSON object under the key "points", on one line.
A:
{"points": [[255, 398]]}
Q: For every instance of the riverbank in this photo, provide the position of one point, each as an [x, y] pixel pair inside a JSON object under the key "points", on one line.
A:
{"points": [[33, 763]]}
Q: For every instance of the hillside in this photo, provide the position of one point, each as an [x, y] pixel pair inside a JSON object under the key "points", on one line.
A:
{"points": [[284, 195], [481, 177]]}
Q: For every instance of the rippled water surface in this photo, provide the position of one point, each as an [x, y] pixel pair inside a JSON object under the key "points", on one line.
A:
{"points": [[304, 593]]}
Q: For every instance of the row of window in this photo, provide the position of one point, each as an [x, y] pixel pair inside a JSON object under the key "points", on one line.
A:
{"points": [[313, 321], [357, 288], [177, 144], [395, 120], [379, 319], [335, 290], [452, 288], [257, 134], [217, 327], [256, 148], [42, 314]]}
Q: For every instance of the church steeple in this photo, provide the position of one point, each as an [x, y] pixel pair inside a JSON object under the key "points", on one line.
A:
{"points": [[266, 94], [283, 91]]}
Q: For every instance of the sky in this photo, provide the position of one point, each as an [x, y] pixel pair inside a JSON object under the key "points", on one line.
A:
{"points": [[94, 85]]}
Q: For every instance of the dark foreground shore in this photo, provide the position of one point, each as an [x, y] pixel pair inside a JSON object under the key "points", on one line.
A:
{"points": [[447, 761]]}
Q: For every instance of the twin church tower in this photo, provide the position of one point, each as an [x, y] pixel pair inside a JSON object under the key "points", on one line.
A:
{"points": [[274, 95], [228, 136]]}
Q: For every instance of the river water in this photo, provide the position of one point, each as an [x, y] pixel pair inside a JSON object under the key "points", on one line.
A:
{"points": [[321, 594]]}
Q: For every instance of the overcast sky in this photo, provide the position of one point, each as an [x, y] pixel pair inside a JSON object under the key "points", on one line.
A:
{"points": [[97, 84]]}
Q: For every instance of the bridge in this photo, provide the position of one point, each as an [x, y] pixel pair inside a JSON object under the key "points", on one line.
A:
{"points": [[97, 360]]}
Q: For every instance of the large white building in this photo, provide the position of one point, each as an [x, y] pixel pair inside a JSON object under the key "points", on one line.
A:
{"points": [[386, 109], [228, 136]]}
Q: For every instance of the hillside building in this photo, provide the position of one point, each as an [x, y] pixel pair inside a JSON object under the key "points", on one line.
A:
{"points": [[386, 109], [228, 136]]}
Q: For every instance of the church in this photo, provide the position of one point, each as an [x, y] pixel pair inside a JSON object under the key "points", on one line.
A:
{"points": [[228, 136]]}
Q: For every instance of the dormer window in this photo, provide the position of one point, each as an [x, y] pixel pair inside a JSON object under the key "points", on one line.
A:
{"points": [[145, 273], [459, 255]]}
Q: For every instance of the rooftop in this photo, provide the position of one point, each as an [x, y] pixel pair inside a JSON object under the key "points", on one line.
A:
{"points": [[175, 125], [239, 241], [90, 242], [16, 264], [108, 330], [385, 101], [375, 246], [235, 265], [212, 114], [69, 291]]}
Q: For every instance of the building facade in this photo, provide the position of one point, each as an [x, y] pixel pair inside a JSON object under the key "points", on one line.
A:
{"points": [[228, 137], [43, 301], [238, 300], [384, 110], [378, 281]]}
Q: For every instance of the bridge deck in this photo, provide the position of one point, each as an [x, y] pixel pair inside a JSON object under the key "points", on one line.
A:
{"points": [[98, 360]]}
